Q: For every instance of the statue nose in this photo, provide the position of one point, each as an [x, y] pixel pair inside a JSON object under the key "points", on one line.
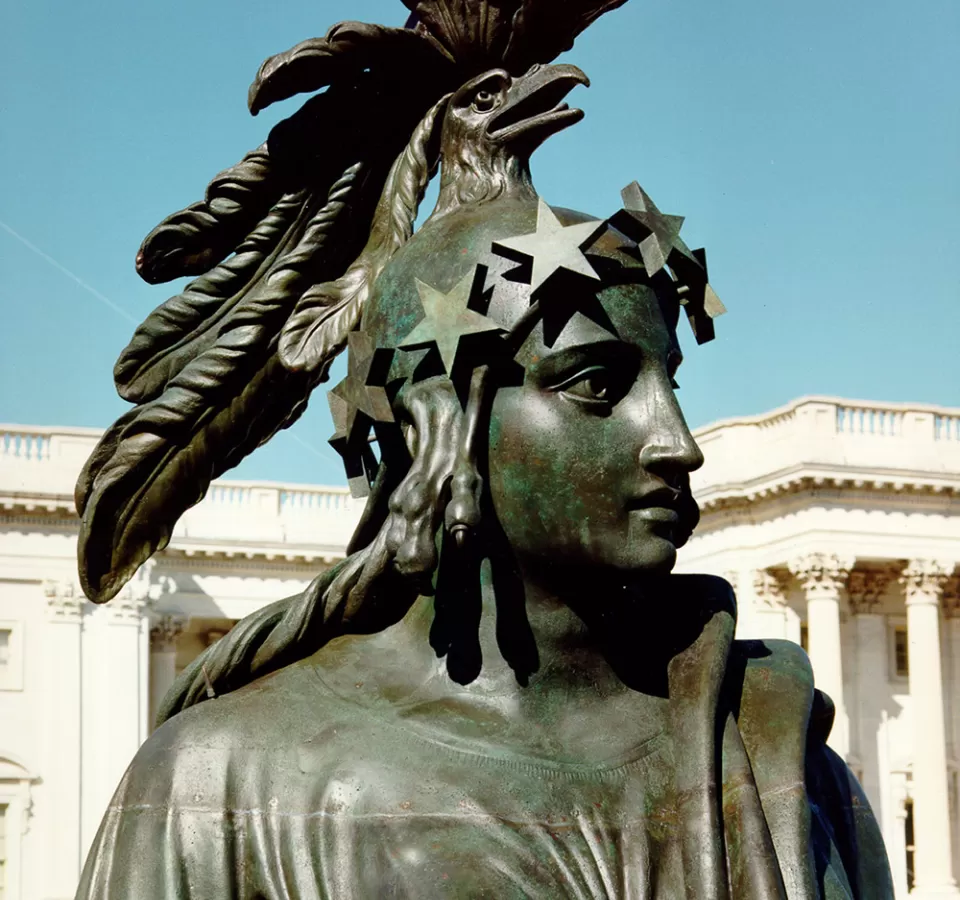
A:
{"points": [[671, 449], [674, 457]]}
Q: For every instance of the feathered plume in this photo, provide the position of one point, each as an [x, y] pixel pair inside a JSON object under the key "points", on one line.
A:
{"points": [[348, 49], [186, 325], [541, 30], [159, 459], [324, 316], [515, 34], [191, 241]]}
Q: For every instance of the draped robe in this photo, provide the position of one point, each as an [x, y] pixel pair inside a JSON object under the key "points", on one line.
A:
{"points": [[291, 788]]}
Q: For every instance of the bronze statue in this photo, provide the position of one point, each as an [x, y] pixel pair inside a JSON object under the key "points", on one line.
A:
{"points": [[502, 691]]}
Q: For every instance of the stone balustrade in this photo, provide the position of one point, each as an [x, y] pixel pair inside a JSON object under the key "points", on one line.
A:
{"points": [[883, 445], [39, 468]]}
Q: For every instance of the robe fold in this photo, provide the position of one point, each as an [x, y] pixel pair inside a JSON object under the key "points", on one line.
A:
{"points": [[289, 790]]}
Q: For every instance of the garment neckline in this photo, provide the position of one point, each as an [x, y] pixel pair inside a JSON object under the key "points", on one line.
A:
{"points": [[460, 747]]}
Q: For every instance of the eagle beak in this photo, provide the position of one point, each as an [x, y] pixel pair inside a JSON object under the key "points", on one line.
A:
{"points": [[534, 108]]}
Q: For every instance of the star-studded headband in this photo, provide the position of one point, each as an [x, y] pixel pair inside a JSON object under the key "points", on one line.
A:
{"points": [[463, 342]]}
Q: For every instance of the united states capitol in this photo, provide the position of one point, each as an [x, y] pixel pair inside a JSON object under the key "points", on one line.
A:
{"points": [[837, 522]]}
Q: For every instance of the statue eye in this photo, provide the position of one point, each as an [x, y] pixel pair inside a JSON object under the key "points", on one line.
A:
{"points": [[596, 387], [484, 101]]}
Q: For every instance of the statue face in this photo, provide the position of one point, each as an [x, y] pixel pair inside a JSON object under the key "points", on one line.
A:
{"points": [[589, 457]]}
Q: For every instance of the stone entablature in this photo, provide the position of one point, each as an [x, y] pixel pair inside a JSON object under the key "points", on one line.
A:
{"points": [[827, 442], [236, 520]]}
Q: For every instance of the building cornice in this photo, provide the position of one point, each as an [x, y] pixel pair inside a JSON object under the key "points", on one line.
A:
{"points": [[823, 442], [761, 504]]}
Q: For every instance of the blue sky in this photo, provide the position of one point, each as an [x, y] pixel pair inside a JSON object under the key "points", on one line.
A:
{"points": [[812, 147]]}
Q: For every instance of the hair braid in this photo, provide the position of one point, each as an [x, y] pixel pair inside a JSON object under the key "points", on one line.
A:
{"points": [[369, 590]]}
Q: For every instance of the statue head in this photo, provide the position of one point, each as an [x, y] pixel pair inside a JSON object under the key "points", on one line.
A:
{"points": [[527, 411]]}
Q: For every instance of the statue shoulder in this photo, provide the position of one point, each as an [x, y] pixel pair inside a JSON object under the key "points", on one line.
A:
{"points": [[812, 799], [261, 725], [776, 675], [210, 777], [770, 688]]}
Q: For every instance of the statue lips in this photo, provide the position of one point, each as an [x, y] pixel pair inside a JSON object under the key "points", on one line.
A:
{"points": [[535, 109], [657, 507]]}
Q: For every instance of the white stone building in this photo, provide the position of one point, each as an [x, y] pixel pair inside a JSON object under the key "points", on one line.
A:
{"points": [[79, 683], [838, 523]]}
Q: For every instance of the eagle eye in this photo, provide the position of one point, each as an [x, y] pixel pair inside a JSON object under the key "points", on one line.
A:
{"points": [[484, 100]]}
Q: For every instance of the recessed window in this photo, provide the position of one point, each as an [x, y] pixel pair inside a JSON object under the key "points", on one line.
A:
{"points": [[11, 657], [901, 654]]}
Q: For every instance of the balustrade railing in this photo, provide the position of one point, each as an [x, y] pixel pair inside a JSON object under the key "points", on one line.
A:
{"points": [[880, 422], [946, 428], [28, 446], [39, 462], [308, 500], [827, 435]]}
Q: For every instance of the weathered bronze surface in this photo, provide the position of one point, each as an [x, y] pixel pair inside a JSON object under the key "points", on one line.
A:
{"points": [[502, 691]]}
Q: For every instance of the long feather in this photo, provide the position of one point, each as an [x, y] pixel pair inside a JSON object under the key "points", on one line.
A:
{"points": [[347, 50], [326, 313], [159, 459], [164, 463], [189, 242], [186, 324]]}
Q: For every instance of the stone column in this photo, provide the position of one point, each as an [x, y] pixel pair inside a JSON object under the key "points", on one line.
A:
{"points": [[822, 576], [770, 615], [62, 782], [923, 582], [864, 588], [129, 641], [897, 843], [950, 604], [163, 659]]}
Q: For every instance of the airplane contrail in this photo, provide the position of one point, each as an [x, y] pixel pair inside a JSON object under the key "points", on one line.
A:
{"points": [[119, 310]]}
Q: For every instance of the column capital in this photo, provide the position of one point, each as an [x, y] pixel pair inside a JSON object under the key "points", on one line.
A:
{"points": [[127, 609], [923, 581], [733, 576], [165, 631], [65, 601], [768, 589], [821, 574], [865, 587], [136, 599]]}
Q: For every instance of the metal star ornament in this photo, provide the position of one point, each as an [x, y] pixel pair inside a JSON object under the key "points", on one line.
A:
{"points": [[554, 246], [700, 301], [362, 391], [446, 319], [350, 450], [356, 403], [657, 234]]}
